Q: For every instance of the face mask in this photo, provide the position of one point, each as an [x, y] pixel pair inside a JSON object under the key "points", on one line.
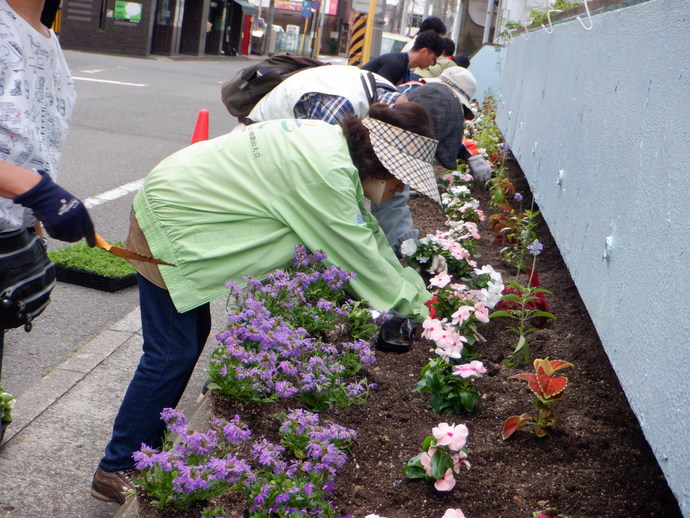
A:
{"points": [[374, 189]]}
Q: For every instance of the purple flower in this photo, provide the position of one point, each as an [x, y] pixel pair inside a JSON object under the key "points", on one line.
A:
{"points": [[535, 247], [282, 498], [267, 453], [236, 431], [517, 197], [308, 488]]}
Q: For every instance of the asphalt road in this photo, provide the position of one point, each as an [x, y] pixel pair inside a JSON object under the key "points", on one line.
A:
{"points": [[119, 131]]}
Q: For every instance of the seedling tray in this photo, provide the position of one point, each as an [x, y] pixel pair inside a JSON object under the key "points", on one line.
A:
{"points": [[94, 280]]}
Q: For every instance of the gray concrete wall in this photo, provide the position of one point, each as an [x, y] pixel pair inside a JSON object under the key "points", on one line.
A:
{"points": [[598, 120], [486, 65]]}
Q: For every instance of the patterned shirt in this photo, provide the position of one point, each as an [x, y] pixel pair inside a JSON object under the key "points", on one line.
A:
{"points": [[36, 100], [333, 108]]}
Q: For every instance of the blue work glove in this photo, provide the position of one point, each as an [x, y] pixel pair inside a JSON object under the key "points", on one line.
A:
{"points": [[63, 216]]}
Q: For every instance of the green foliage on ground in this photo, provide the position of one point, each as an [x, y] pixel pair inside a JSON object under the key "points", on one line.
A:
{"points": [[82, 257]]}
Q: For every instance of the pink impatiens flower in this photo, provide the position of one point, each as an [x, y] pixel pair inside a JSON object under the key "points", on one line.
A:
{"points": [[481, 312], [453, 513], [474, 368], [452, 436], [463, 313], [447, 482], [433, 329], [450, 344], [440, 280], [460, 459], [425, 460]]}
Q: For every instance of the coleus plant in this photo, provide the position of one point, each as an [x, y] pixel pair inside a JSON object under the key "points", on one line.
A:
{"points": [[547, 388]]}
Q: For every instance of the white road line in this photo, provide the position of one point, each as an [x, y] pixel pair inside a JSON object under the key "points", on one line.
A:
{"points": [[92, 79], [113, 194]]}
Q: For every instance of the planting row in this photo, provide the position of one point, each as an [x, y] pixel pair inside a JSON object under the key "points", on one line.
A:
{"points": [[296, 342]]}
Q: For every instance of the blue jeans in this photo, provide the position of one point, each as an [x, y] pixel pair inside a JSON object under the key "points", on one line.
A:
{"points": [[173, 342]]}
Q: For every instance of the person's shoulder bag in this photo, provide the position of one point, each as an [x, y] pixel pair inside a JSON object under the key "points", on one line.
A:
{"points": [[27, 277]]}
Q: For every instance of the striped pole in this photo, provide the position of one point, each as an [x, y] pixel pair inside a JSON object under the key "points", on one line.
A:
{"points": [[356, 46]]}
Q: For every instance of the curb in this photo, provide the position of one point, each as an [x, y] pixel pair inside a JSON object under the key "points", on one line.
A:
{"points": [[71, 372], [198, 419]]}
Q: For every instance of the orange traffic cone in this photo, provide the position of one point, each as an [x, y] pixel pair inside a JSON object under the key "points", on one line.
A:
{"points": [[201, 128]]}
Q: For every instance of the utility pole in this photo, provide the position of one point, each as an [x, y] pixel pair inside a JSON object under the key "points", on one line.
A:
{"points": [[369, 31], [490, 9], [403, 17], [456, 25], [268, 34]]}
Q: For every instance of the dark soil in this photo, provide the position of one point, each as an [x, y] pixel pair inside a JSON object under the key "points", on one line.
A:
{"points": [[595, 464]]}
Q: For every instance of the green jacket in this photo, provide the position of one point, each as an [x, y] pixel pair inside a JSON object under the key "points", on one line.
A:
{"points": [[435, 70], [238, 204]]}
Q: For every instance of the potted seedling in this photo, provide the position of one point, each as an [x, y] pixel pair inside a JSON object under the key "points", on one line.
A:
{"points": [[6, 405], [92, 267]]}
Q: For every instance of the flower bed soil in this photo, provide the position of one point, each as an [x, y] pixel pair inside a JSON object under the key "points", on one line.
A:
{"points": [[595, 464]]}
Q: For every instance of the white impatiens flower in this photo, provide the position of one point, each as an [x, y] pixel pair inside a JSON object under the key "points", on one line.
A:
{"points": [[489, 270], [461, 189], [429, 239], [491, 295], [408, 247]]}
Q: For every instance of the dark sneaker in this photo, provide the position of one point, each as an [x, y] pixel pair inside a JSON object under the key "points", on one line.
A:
{"points": [[112, 487], [396, 335]]}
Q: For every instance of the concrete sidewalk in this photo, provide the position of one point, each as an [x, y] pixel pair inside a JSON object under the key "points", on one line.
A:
{"points": [[59, 432]]}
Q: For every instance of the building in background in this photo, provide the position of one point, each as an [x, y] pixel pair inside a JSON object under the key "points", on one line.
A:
{"points": [[165, 27], [197, 27], [231, 27]]}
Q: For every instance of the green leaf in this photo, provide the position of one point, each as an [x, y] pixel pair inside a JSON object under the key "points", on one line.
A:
{"points": [[521, 343], [544, 314], [440, 462], [435, 383], [500, 313], [413, 469], [421, 386], [414, 472], [468, 400], [437, 403]]}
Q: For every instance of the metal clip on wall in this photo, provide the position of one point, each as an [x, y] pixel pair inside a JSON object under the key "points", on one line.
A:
{"points": [[589, 18], [548, 17]]}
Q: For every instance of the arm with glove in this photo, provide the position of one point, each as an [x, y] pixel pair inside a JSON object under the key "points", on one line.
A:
{"points": [[63, 215], [480, 168]]}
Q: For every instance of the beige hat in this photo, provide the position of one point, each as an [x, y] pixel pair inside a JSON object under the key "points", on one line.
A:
{"points": [[462, 83], [406, 155]]}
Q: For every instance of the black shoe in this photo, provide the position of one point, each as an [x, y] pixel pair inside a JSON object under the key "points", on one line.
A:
{"points": [[396, 335]]}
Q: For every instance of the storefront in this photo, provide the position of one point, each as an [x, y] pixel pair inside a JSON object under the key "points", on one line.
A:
{"points": [[164, 27]]}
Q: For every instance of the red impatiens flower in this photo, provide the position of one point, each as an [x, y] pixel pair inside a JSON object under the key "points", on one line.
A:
{"points": [[431, 304]]}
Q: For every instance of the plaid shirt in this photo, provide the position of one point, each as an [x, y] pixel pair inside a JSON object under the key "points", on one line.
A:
{"points": [[333, 108], [387, 97], [328, 108]]}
